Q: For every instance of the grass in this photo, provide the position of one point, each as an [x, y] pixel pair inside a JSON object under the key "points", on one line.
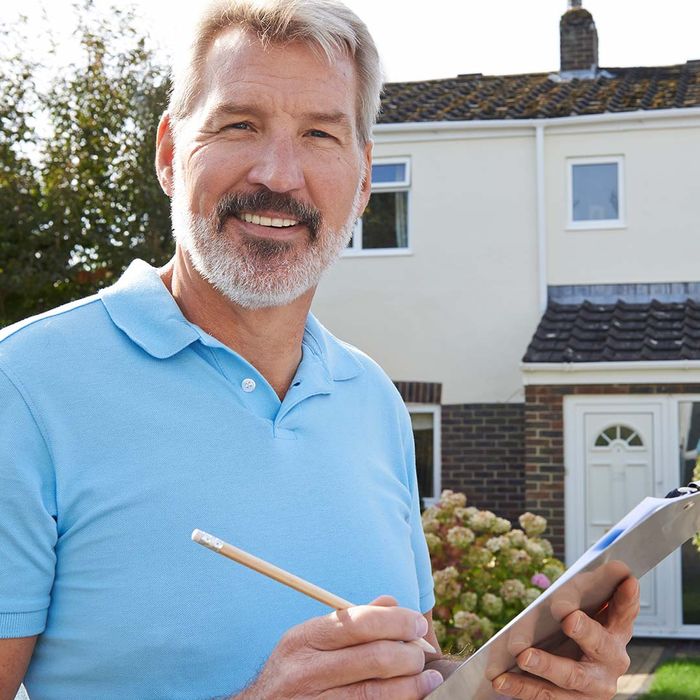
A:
{"points": [[675, 680]]}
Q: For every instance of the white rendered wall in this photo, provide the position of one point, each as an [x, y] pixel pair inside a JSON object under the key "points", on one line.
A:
{"points": [[661, 239], [462, 307]]}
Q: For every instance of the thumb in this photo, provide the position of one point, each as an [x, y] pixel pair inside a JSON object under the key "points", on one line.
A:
{"points": [[385, 601]]}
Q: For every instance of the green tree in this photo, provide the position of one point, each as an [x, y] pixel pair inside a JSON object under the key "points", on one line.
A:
{"points": [[88, 202], [28, 256]]}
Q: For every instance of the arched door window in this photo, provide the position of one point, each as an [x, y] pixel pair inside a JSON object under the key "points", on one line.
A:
{"points": [[619, 434]]}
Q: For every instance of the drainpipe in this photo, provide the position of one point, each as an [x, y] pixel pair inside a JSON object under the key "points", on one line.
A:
{"points": [[541, 219]]}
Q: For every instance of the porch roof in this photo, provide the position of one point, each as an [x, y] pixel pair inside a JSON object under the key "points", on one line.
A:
{"points": [[617, 332]]}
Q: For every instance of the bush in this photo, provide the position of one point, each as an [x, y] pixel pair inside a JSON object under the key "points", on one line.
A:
{"points": [[485, 572]]}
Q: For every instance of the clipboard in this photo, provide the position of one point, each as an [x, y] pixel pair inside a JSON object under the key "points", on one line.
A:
{"points": [[634, 546]]}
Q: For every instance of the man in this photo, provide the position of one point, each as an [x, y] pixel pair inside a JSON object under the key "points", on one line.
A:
{"points": [[206, 395]]}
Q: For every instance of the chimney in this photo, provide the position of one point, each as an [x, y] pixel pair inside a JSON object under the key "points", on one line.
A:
{"points": [[578, 39]]}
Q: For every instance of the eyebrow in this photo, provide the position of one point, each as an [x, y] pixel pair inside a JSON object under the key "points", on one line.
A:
{"points": [[337, 117]]}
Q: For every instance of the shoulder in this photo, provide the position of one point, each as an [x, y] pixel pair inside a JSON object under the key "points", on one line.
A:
{"points": [[46, 335]]}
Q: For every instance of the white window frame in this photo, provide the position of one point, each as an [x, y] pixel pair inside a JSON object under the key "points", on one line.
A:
{"points": [[356, 249], [436, 410], [596, 224]]}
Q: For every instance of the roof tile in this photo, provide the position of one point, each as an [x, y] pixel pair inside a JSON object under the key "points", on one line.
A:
{"points": [[619, 332], [538, 95]]}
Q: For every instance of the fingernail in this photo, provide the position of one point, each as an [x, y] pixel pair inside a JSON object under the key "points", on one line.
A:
{"points": [[577, 626], [431, 680], [502, 683], [531, 660], [421, 626]]}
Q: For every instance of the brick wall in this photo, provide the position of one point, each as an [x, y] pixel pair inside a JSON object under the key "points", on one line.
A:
{"points": [[544, 445], [578, 40], [420, 392], [483, 455]]}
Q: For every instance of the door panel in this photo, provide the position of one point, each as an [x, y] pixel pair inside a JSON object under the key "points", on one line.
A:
{"points": [[617, 448]]}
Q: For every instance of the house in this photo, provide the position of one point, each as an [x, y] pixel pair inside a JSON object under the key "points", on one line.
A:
{"points": [[528, 272]]}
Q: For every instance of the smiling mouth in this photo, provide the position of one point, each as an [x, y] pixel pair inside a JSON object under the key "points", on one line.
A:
{"points": [[266, 220]]}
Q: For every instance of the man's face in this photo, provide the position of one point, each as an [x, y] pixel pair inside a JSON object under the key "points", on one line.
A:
{"points": [[268, 171]]}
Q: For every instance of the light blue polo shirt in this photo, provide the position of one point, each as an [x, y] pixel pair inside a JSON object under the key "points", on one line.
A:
{"points": [[122, 428]]}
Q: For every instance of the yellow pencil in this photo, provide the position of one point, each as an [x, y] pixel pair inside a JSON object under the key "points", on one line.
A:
{"points": [[288, 579]]}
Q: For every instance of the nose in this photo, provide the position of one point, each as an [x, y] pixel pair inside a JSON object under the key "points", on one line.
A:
{"points": [[278, 166]]}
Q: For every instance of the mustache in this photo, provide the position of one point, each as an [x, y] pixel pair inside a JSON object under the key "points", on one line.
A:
{"points": [[235, 203]]}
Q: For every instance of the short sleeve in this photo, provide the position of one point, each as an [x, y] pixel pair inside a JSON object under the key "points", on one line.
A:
{"points": [[420, 548], [27, 526]]}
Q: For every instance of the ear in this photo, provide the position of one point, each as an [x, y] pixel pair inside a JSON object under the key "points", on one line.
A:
{"points": [[366, 188], [165, 151]]}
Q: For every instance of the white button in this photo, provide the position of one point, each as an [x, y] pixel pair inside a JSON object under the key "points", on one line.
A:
{"points": [[248, 385]]}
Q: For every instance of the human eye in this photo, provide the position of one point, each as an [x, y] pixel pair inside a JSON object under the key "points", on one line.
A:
{"points": [[238, 126], [319, 134]]}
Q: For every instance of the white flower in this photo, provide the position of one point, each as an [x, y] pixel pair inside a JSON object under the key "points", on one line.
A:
{"points": [[532, 524], [460, 536]]}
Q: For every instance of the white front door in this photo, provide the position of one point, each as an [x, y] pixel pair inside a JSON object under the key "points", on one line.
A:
{"points": [[615, 457]]}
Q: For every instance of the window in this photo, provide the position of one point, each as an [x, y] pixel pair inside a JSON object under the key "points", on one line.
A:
{"points": [[425, 420], [383, 227], [596, 193], [620, 434]]}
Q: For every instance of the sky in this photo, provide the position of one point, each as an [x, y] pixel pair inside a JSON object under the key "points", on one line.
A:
{"points": [[442, 38]]}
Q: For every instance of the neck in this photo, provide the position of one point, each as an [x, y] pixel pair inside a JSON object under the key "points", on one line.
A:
{"points": [[270, 338]]}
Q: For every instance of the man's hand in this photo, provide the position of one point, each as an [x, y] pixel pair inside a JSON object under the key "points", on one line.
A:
{"points": [[602, 658], [355, 653]]}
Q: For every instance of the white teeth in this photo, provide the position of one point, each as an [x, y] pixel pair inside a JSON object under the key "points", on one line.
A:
{"points": [[267, 221]]}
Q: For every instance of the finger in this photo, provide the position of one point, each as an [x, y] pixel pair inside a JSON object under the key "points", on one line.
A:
{"points": [[385, 601], [360, 625], [528, 688], [376, 660], [597, 643], [523, 688], [623, 609], [562, 672], [407, 688]]}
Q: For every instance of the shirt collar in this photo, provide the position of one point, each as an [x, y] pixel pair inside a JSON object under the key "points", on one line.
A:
{"points": [[142, 307], [337, 356]]}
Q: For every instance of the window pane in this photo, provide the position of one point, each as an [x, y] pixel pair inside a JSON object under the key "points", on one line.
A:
{"points": [[595, 192], [423, 436], [384, 222], [383, 173]]}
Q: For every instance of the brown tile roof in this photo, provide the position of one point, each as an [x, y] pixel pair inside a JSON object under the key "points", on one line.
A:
{"points": [[618, 332], [537, 95]]}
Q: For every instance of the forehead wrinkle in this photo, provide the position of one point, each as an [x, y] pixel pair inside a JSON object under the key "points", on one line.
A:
{"points": [[224, 75]]}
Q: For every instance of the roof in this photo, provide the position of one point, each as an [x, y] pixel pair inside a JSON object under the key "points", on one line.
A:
{"points": [[619, 332], [541, 95]]}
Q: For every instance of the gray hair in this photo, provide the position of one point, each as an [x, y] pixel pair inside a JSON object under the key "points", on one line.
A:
{"points": [[326, 25]]}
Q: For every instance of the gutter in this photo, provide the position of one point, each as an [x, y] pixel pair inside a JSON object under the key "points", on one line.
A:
{"points": [[541, 218], [608, 366], [647, 372]]}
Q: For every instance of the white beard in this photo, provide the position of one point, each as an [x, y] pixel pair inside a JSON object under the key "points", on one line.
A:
{"points": [[256, 273]]}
